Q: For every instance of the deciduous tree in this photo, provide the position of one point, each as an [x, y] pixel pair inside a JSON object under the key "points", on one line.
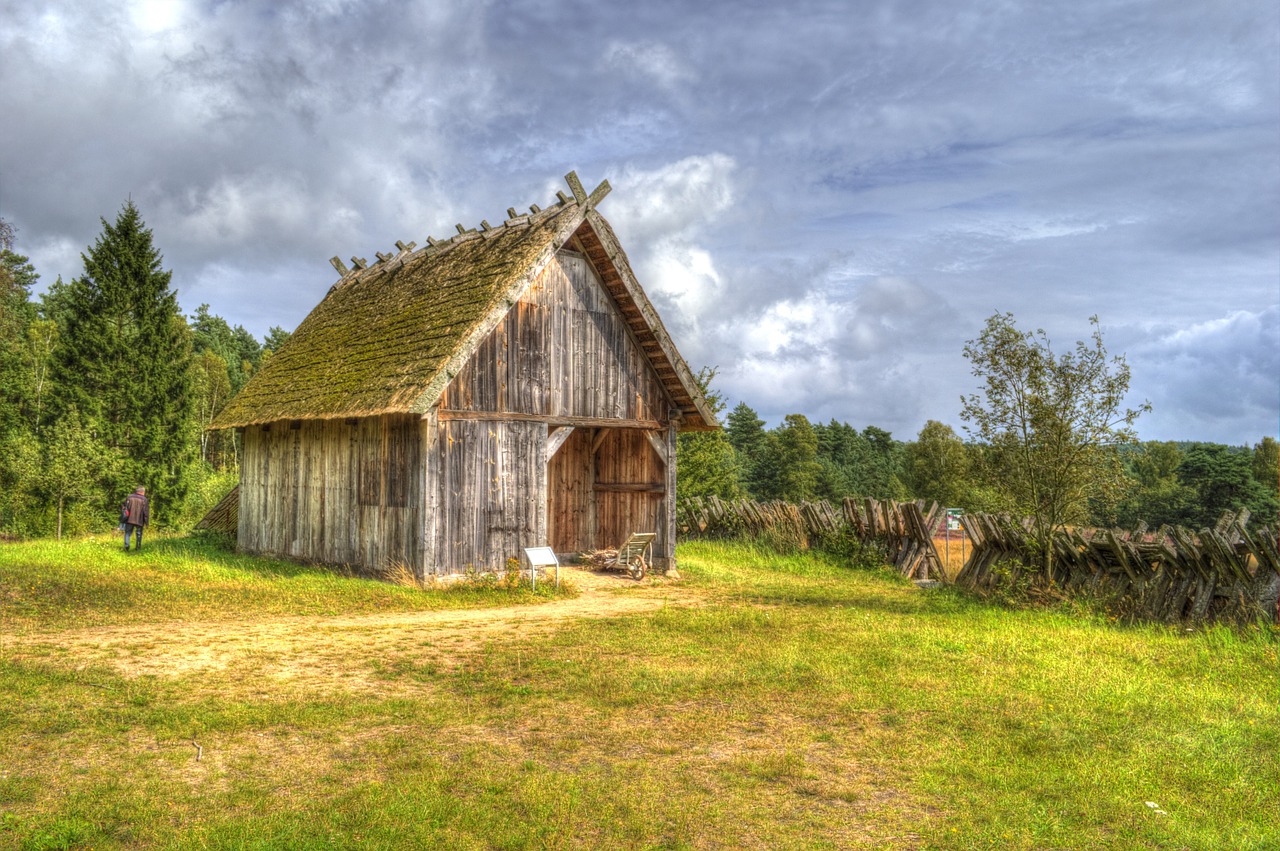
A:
{"points": [[705, 460], [1050, 422], [939, 466]]}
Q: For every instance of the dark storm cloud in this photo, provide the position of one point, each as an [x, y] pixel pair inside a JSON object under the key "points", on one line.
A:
{"points": [[824, 199]]}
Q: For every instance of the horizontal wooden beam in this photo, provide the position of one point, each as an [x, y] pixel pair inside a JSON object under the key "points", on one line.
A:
{"points": [[584, 422], [629, 487]]}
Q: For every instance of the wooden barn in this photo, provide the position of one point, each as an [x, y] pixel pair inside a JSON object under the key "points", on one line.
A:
{"points": [[445, 407]]}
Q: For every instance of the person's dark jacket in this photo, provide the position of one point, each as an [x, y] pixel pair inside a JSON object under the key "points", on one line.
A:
{"points": [[137, 511]]}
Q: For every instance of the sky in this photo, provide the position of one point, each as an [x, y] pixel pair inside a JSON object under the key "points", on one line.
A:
{"points": [[825, 201]]}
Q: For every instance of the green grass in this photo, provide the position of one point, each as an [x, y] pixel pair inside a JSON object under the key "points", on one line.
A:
{"points": [[47, 585], [800, 704]]}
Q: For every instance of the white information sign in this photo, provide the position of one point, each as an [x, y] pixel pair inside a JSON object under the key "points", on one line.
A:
{"points": [[542, 557]]}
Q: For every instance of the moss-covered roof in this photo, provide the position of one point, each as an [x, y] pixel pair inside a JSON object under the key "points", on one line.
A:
{"points": [[387, 338], [383, 336]]}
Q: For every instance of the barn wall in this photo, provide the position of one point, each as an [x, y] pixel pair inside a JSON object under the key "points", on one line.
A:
{"points": [[571, 504], [487, 494], [598, 498], [564, 350], [334, 492], [564, 354]]}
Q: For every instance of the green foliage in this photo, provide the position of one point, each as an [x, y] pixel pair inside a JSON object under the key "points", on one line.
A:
{"points": [[795, 453], [866, 463], [939, 465], [16, 315], [1049, 422], [239, 352], [1156, 494], [1223, 480], [276, 337], [73, 464], [802, 461], [1266, 464], [746, 434], [123, 361], [212, 388], [706, 464], [19, 469]]}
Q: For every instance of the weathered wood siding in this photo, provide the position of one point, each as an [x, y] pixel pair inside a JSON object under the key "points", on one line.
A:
{"points": [[488, 494], [571, 504], [564, 350], [597, 499], [629, 486], [334, 492], [564, 353]]}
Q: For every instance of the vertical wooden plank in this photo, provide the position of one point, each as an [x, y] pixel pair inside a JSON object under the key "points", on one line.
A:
{"points": [[431, 481], [667, 533]]}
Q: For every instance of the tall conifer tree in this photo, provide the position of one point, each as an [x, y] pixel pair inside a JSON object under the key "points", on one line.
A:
{"points": [[123, 360]]}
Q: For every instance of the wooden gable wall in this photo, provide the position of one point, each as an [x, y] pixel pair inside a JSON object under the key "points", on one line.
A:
{"points": [[563, 351]]}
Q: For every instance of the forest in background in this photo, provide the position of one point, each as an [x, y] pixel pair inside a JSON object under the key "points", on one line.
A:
{"points": [[105, 385], [1176, 482]]}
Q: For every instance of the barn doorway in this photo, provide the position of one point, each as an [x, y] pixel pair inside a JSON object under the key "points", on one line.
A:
{"points": [[603, 484]]}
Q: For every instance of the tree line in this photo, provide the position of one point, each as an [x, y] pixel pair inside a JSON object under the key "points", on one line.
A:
{"points": [[1179, 483], [105, 385]]}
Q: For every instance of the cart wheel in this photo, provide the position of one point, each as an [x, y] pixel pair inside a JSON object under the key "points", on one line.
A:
{"points": [[638, 568]]}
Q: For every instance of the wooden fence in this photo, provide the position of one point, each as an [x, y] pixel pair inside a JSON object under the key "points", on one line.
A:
{"points": [[1224, 574], [225, 516], [903, 529]]}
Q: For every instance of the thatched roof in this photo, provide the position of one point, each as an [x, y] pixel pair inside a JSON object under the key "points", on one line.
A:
{"points": [[389, 336]]}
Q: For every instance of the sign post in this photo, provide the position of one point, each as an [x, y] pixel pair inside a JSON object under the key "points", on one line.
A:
{"points": [[542, 557], [953, 523]]}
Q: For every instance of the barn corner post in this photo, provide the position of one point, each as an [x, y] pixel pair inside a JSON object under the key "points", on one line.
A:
{"points": [[667, 563]]}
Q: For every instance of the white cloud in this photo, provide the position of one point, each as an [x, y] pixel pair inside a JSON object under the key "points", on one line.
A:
{"points": [[650, 59], [796, 187]]}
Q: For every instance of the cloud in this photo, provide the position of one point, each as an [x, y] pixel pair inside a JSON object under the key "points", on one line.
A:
{"points": [[1217, 377], [655, 61], [824, 204]]}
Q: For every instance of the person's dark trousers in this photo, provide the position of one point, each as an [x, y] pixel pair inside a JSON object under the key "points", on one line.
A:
{"points": [[130, 529]]}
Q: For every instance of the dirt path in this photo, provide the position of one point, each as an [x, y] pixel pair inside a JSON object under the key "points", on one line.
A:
{"points": [[310, 650]]}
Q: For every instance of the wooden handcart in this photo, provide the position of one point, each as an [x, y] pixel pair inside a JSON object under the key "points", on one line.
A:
{"points": [[631, 555]]}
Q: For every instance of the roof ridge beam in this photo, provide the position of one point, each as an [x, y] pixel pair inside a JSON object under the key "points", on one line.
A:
{"points": [[579, 194]]}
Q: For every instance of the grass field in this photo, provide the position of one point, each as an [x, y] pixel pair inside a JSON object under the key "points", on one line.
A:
{"points": [[189, 698]]}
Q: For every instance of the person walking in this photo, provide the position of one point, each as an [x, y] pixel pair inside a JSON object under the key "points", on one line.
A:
{"points": [[137, 513]]}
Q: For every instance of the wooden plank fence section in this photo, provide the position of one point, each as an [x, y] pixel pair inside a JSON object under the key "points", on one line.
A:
{"points": [[1224, 574], [225, 516], [904, 529]]}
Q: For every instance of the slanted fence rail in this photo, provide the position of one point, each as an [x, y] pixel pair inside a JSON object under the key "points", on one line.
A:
{"points": [[1228, 573], [903, 529]]}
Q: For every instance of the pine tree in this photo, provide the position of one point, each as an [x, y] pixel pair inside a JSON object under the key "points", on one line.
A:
{"points": [[16, 314], [19, 451], [797, 459], [750, 443], [123, 360]]}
